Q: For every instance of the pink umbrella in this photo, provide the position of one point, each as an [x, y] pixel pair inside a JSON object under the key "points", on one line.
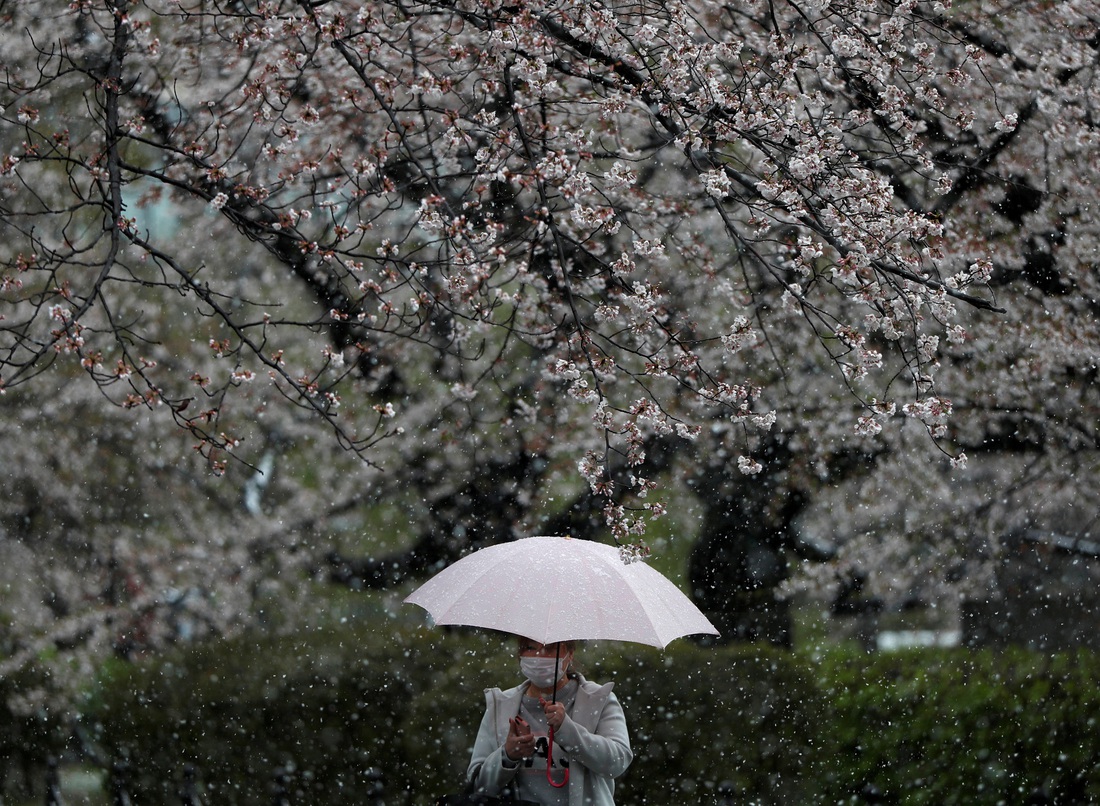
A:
{"points": [[553, 589]]}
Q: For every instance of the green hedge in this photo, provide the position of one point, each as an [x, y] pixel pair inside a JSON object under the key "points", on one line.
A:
{"points": [[934, 726], [963, 727], [242, 711]]}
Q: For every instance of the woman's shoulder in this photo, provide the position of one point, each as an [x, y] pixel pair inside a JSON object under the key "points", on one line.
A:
{"points": [[594, 689], [496, 694]]}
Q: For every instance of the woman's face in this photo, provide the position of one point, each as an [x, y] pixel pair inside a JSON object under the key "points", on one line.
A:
{"points": [[545, 663]]}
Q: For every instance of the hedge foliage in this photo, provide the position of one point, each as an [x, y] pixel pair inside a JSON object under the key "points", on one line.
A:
{"points": [[934, 726], [964, 727]]}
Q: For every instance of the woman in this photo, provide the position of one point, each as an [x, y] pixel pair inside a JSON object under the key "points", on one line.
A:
{"points": [[590, 747]]}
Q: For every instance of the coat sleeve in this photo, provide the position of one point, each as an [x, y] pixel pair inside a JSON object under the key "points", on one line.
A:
{"points": [[607, 750], [489, 768]]}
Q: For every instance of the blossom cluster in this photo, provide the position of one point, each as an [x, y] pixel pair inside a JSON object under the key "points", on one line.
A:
{"points": [[593, 242]]}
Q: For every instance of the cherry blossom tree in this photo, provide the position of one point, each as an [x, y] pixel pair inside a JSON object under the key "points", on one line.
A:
{"points": [[529, 267]]}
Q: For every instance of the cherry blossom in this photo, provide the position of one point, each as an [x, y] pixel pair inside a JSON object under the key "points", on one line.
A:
{"points": [[483, 251]]}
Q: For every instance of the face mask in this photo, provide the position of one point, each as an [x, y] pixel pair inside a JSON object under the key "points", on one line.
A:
{"points": [[541, 671]]}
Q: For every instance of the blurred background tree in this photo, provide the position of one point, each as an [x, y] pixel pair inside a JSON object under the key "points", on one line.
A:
{"points": [[336, 292]]}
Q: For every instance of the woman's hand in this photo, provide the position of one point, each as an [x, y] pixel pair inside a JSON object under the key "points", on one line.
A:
{"points": [[555, 712], [520, 743]]}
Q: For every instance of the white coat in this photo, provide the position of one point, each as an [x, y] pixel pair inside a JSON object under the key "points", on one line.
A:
{"points": [[593, 734]]}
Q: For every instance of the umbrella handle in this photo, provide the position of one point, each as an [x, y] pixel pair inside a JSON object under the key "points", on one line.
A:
{"points": [[550, 763]]}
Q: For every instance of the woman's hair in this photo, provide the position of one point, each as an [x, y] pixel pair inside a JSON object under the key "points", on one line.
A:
{"points": [[571, 648]]}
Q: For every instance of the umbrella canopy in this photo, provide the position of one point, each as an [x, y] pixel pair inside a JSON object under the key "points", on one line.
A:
{"points": [[553, 589]]}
